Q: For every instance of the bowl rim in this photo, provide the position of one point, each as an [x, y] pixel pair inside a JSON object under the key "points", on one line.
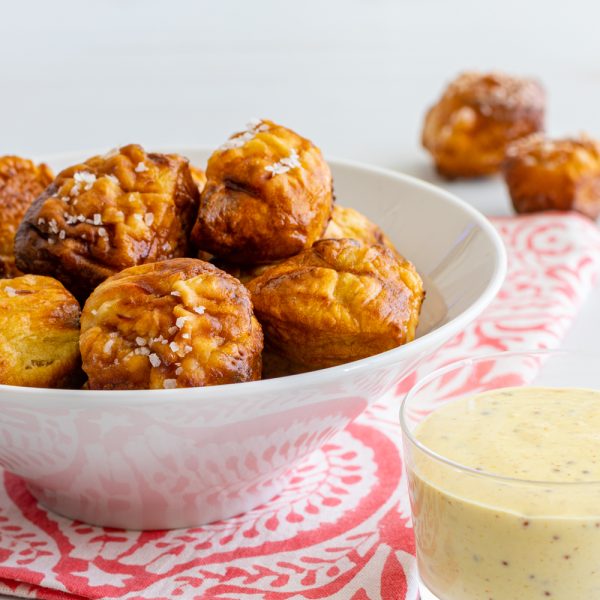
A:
{"points": [[458, 364], [437, 336]]}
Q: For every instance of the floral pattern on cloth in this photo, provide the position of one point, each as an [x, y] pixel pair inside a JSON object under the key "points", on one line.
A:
{"points": [[341, 527]]}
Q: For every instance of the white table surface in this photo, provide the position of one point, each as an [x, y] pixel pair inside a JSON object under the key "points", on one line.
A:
{"points": [[354, 76]]}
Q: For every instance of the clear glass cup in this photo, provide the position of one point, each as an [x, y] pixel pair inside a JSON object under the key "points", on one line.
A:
{"points": [[481, 536]]}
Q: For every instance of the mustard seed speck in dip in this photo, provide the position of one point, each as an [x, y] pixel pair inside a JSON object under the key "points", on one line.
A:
{"points": [[491, 533]]}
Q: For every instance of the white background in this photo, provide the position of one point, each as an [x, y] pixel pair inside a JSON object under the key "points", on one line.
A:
{"points": [[354, 76]]}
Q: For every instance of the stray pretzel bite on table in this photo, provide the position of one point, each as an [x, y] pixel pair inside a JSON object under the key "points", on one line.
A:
{"points": [[564, 174], [478, 115], [115, 211], [21, 182], [268, 195], [176, 323], [39, 333], [336, 302]]}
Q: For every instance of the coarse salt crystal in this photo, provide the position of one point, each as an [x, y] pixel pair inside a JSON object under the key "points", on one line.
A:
{"points": [[154, 360], [174, 346], [186, 336], [97, 219], [86, 178], [62, 234], [141, 167], [143, 351], [169, 384], [148, 219], [102, 232], [252, 128], [140, 341], [178, 370], [181, 321], [175, 293], [10, 291], [187, 349], [199, 309], [285, 164], [108, 346]]}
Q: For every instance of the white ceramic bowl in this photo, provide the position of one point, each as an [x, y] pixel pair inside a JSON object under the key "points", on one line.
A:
{"points": [[174, 458]]}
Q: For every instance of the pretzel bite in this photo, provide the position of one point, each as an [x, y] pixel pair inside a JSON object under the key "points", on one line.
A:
{"points": [[199, 177], [39, 333], [345, 223], [478, 115], [268, 196], [554, 175], [21, 182], [177, 323], [349, 223], [338, 301], [109, 213]]}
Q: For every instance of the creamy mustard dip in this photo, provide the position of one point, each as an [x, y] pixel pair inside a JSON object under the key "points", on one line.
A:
{"points": [[502, 538]]}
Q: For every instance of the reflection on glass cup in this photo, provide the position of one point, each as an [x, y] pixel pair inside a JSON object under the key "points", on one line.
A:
{"points": [[517, 517]]}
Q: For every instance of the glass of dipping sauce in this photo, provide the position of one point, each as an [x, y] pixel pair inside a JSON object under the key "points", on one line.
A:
{"points": [[503, 461]]}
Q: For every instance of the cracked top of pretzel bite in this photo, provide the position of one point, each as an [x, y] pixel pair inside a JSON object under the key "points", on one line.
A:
{"points": [[268, 195], [338, 301], [176, 323], [563, 174], [21, 182], [477, 116], [39, 333], [125, 208]]}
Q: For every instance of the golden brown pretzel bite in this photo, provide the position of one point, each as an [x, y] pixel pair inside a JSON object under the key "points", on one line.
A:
{"points": [[39, 333], [347, 222], [544, 174], [478, 115], [176, 323], [21, 182], [336, 302], [109, 213], [268, 196]]}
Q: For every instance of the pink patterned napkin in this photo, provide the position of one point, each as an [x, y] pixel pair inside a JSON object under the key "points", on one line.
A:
{"points": [[341, 528]]}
